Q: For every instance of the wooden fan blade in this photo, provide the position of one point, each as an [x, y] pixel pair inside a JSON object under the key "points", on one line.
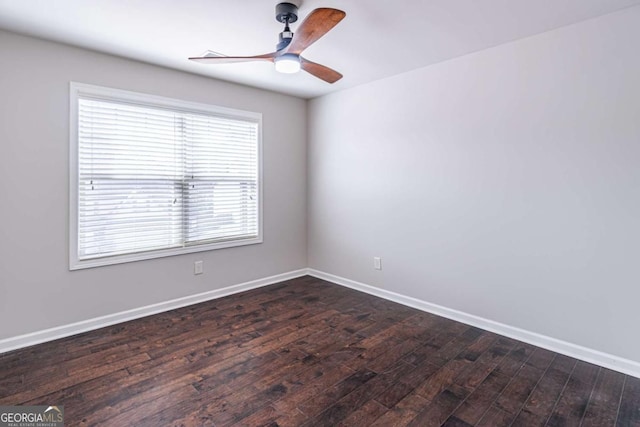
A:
{"points": [[316, 25], [320, 71], [233, 59]]}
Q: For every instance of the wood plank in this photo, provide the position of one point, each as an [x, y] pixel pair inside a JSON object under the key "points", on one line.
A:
{"points": [[403, 413], [365, 415], [496, 417], [602, 409], [406, 384], [311, 383], [270, 416], [520, 387], [448, 332], [316, 405], [515, 359], [629, 412], [481, 399], [541, 358], [362, 395], [441, 407], [455, 422], [541, 402], [573, 402], [473, 376]]}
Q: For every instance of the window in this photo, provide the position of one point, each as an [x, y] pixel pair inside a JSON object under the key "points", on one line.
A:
{"points": [[153, 177]]}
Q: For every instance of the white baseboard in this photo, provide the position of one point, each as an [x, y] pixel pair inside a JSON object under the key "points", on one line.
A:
{"points": [[39, 337], [596, 357]]}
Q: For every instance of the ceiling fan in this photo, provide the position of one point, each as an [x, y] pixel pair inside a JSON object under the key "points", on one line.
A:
{"points": [[287, 57]]}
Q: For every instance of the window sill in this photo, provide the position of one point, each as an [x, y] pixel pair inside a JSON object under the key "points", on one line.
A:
{"points": [[77, 264]]}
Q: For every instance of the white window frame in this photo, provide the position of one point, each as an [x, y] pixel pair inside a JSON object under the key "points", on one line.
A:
{"points": [[78, 90]]}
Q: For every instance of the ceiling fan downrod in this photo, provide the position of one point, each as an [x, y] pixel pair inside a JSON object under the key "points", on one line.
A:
{"points": [[286, 13]]}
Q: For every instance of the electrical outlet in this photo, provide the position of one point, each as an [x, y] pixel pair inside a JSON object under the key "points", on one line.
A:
{"points": [[377, 263], [198, 267]]}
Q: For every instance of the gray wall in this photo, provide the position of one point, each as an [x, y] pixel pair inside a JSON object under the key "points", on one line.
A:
{"points": [[37, 291], [504, 184]]}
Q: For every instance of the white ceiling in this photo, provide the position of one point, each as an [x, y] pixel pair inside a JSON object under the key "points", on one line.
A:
{"points": [[377, 39]]}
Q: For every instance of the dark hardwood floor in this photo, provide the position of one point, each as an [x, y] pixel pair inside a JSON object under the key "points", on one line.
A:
{"points": [[304, 353]]}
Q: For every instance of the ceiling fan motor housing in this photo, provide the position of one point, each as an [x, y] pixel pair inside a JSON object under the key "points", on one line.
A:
{"points": [[284, 39]]}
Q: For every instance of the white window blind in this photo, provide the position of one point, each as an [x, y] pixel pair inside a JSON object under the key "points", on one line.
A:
{"points": [[155, 180]]}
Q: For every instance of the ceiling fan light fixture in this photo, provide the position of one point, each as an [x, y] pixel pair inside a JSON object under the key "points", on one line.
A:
{"points": [[287, 56], [288, 63]]}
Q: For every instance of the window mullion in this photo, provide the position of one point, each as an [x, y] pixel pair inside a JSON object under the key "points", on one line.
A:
{"points": [[184, 181]]}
